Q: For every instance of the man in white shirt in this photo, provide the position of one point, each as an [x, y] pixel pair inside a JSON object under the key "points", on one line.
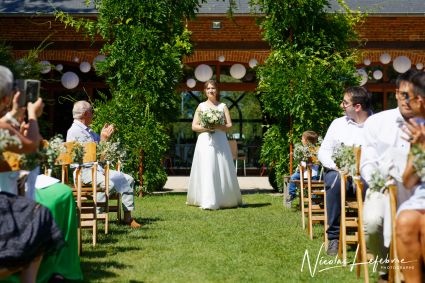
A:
{"points": [[349, 131], [120, 182], [385, 151]]}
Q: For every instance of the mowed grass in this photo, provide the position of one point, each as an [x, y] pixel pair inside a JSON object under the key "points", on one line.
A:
{"points": [[260, 242]]}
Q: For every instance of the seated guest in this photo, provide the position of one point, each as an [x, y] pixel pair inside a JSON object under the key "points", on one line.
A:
{"points": [[57, 197], [307, 138], [384, 149], [349, 131], [119, 182], [27, 229], [410, 226]]}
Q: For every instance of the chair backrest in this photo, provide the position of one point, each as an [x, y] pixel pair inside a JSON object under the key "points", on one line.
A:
{"points": [[321, 172], [234, 148], [357, 153], [10, 161], [65, 158]]}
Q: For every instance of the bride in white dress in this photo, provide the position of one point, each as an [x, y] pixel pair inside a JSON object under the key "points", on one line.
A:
{"points": [[213, 183]]}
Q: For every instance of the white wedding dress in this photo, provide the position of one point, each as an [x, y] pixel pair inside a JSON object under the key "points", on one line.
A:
{"points": [[213, 183]]}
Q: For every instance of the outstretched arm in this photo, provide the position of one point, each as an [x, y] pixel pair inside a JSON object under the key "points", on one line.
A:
{"points": [[27, 145]]}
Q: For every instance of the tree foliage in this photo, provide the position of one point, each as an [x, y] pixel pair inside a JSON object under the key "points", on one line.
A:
{"points": [[145, 43], [310, 64]]}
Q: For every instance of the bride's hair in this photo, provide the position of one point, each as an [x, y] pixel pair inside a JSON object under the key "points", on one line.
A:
{"points": [[214, 84]]}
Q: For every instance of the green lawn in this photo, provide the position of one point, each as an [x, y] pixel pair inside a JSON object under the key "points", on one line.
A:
{"points": [[261, 242]]}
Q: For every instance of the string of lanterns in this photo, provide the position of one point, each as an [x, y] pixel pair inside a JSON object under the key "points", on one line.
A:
{"points": [[70, 79], [204, 72], [400, 64]]}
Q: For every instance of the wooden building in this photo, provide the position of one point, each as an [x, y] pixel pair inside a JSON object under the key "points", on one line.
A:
{"points": [[226, 47]]}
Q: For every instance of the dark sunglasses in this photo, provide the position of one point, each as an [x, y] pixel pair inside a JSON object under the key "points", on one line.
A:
{"points": [[404, 95]]}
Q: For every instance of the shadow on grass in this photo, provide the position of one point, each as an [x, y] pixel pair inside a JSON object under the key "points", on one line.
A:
{"points": [[255, 205], [94, 270], [257, 191], [168, 192]]}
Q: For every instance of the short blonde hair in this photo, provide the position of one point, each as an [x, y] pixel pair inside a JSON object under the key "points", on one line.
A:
{"points": [[80, 108], [6, 82]]}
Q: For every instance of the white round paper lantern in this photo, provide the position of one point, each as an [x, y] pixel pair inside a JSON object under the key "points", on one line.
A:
{"points": [[377, 74], [252, 62], [191, 83], [237, 71], [385, 58], [45, 67], [366, 62], [98, 58], [70, 80], [221, 58], [76, 59], [59, 67], [203, 73], [363, 76], [419, 66], [401, 64], [85, 67]]}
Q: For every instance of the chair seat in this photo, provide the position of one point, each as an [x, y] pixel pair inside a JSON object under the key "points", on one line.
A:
{"points": [[352, 204]]}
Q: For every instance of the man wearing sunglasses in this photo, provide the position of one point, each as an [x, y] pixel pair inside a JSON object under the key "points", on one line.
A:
{"points": [[385, 151]]}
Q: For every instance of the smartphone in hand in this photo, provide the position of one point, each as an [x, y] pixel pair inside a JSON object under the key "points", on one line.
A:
{"points": [[29, 89]]}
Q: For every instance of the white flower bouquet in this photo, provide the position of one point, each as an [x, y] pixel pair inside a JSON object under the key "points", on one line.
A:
{"points": [[210, 118], [307, 153], [78, 152], [6, 139], [110, 151], [46, 156], [377, 182], [345, 158]]}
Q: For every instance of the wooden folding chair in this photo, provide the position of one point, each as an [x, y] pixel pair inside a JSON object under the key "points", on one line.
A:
{"points": [[352, 220], [394, 274], [362, 253], [349, 220], [10, 161], [85, 196], [314, 205], [113, 200], [237, 156]]}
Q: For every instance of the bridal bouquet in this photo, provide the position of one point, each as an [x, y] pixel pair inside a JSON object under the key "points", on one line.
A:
{"points": [[210, 118], [345, 158]]}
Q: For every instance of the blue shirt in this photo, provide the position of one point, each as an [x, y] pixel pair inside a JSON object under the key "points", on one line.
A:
{"points": [[80, 132]]}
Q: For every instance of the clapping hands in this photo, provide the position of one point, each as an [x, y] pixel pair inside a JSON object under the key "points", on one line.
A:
{"points": [[415, 131], [107, 131]]}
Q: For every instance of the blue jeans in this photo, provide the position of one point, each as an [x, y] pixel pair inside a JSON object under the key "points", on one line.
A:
{"points": [[292, 188], [332, 182]]}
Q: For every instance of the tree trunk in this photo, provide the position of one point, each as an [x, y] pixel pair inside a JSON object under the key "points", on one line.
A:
{"points": [[141, 172]]}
